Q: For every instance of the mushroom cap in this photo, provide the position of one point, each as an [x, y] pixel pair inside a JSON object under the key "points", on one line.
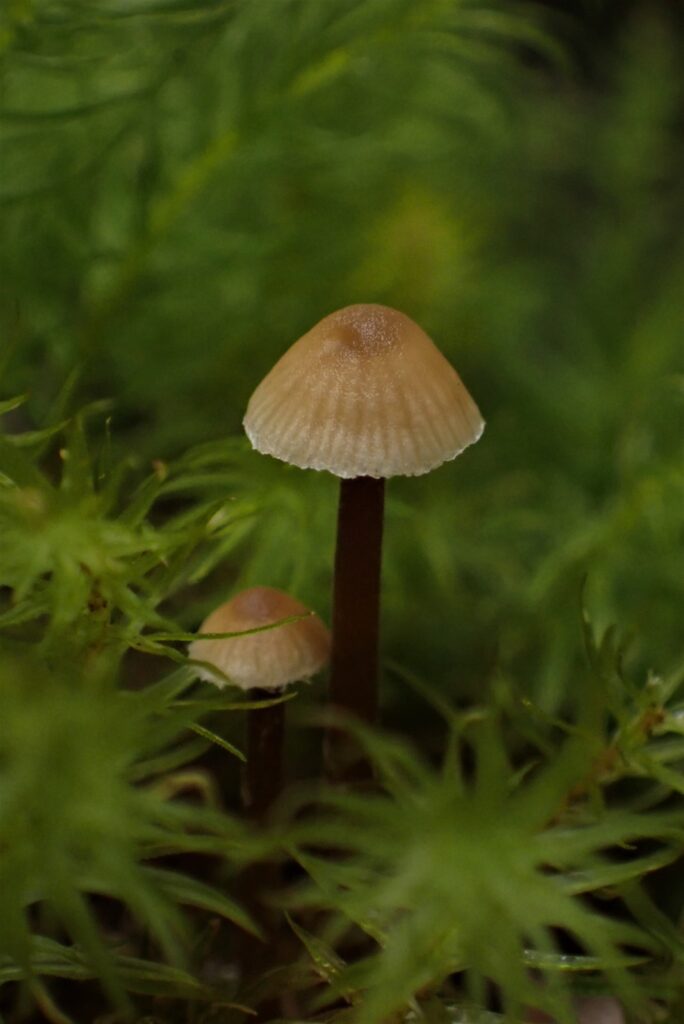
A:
{"points": [[364, 393], [267, 660]]}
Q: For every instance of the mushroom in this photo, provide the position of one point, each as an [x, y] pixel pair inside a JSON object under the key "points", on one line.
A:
{"points": [[263, 662], [365, 395]]}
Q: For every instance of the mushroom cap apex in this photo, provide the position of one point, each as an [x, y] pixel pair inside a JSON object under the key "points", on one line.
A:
{"points": [[365, 327]]}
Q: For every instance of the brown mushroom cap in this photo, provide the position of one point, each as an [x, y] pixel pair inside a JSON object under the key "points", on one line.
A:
{"points": [[267, 660], [364, 393]]}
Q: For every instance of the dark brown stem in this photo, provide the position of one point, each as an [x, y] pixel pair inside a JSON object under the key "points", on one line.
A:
{"points": [[356, 598], [263, 781], [264, 772]]}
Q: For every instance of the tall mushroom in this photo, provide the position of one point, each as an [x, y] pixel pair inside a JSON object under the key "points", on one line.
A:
{"points": [[366, 395], [262, 662]]}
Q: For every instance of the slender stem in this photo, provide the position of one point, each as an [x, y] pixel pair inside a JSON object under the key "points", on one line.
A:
{"points": [[264, 772], [263, 781], [356, 598]]}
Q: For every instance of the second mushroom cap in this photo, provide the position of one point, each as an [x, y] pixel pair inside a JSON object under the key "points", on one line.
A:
{"points": [[269, 659]]}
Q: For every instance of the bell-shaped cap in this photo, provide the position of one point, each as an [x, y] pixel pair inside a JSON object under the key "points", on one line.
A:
{"points": [[270, 659], [364, 393]]}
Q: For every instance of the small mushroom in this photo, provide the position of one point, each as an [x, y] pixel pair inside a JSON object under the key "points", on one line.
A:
{"points": [[365, 395], [262, 662]]}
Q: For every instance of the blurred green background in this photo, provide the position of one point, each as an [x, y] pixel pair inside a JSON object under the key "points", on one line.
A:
{"points": [[186, 187]]}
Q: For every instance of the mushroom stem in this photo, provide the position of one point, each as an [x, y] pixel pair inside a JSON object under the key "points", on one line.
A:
{"points": [[263, 780], [356, 597], [265, 733]]}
